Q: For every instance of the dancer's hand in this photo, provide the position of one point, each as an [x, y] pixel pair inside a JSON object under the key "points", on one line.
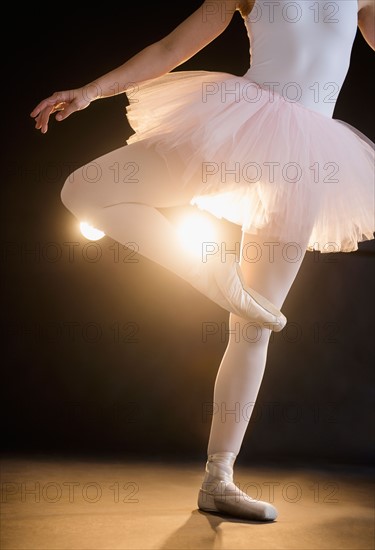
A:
{"points": [[64, 103]]}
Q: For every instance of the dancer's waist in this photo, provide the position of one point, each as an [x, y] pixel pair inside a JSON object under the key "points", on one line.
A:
{"points": [[318, 95]]}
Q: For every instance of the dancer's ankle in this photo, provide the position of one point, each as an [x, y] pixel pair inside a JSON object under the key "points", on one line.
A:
{"points": [[219, 467]]}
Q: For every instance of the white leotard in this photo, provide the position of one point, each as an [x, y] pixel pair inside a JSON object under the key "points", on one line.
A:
{"points": [[301, 49]]}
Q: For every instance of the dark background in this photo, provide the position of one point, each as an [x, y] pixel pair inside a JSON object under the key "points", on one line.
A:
{"points": [[103, 356]]}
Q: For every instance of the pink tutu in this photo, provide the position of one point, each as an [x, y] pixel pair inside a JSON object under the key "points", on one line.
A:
{"points": [[270, 165]]}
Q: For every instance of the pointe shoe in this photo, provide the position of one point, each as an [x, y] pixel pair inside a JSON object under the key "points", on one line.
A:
{"points": [[226, 498], [222, 282]]}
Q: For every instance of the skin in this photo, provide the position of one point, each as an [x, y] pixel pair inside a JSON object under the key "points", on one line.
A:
{"points": [[188, 38], [366, 21]]}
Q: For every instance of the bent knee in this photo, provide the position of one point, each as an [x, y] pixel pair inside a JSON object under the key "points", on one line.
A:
{"points": [[76, 194]]}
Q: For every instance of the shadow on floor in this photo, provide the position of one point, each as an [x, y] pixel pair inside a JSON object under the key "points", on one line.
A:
{"points": [[202, 530]]}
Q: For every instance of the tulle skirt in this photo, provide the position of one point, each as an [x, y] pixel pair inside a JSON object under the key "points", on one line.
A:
{"points": [[272, 166]]}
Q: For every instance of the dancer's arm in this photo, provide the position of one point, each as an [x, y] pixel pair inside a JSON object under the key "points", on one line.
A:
{"points": [[366, 22], [193, 34]]}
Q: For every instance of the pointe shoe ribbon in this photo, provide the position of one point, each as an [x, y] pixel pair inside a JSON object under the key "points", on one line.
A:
{"points": [[222, 282]]}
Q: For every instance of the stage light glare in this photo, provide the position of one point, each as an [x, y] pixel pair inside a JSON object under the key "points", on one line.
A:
{"points": [[90, 232], [194, 230]]}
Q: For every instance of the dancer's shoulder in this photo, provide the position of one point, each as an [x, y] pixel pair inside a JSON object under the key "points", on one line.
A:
{"points": [[366, 21]]}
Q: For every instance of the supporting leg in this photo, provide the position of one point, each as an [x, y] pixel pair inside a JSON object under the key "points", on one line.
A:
{"points": [[240, 376]]}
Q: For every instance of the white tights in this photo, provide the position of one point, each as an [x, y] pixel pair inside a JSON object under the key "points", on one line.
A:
{"points": [[242, 367], [134, 181]]}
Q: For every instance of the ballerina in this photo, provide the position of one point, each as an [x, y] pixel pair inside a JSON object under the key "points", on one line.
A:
{"points": [[260, 150]]}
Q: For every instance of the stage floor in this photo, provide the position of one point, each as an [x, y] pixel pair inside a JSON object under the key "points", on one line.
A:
{"points": [[51, 503]]}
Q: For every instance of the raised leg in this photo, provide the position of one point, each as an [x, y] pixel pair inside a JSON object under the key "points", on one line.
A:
{"points": [[120, 193]]}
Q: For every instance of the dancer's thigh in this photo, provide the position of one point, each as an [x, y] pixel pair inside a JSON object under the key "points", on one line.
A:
{"points": [[133, 173]]}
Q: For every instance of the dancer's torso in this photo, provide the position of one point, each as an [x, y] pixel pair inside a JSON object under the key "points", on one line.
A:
{"points": [[301, 48]]}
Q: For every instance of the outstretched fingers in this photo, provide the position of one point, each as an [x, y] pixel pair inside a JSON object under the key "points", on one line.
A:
{"points": [[65, 102], [54, 99], [42, 119]]}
